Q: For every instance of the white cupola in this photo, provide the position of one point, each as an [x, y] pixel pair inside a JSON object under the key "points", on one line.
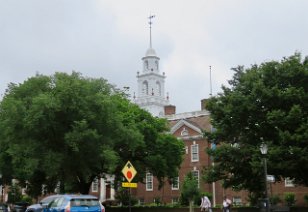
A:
{"points": [[151, 83]]}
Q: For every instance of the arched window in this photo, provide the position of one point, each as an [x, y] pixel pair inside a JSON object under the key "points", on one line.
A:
{"points": [[145, 88], [158, 88], [156, 64], [146, 64]]}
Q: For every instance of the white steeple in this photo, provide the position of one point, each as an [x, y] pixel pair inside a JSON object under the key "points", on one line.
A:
{"points": [[151, 83]]}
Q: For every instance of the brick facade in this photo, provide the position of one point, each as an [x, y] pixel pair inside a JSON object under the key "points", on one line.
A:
{"points": [[189, 127]]}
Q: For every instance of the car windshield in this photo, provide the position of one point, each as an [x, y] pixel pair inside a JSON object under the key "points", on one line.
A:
{"points": [[84, 202], [48, 199]]}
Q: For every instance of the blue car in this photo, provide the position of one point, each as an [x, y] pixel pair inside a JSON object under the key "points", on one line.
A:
{"points": [[75, 203], [42, 204]]}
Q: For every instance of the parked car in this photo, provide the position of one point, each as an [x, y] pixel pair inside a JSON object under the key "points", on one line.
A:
{"points": [[75, 203], [43, 203], [20, 206], [3, 208]]}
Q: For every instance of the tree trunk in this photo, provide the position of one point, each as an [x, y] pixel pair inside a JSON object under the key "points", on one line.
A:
{"points": [[84, 187]]}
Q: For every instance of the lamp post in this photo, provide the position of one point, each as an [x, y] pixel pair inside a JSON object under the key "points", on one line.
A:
{"points": [[263, 149], [1, 188]]}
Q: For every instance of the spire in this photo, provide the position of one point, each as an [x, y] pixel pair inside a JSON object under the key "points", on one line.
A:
{"points": [[150, 23]]}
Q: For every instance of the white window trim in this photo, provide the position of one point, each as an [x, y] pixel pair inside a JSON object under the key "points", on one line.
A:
{"points": [[149, 180], [175, 186], [186, 150], [237, 200], [198, 176], [194, 152], [95, 185], [289, 182]]}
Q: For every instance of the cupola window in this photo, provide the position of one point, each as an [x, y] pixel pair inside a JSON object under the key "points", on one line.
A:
{"points": [[145, 88], [158, 88], [146, 64]]}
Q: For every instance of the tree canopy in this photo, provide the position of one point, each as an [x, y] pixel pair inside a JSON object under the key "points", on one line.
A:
{"points": [[264, 103], [71, 129]]}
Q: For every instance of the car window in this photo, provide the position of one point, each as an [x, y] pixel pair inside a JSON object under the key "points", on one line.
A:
{"points": [[94, 202], [51, 204], [60, 202], [55, 202], [84, 202], [48, 199]]}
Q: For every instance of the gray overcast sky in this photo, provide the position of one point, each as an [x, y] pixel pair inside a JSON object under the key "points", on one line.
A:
{"points": [[108, 38]]}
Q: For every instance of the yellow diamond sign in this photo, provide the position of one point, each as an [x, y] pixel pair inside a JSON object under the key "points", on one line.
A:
{"points": [[129, 171]]}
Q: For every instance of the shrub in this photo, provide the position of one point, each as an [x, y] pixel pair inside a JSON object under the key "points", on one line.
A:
{"points": [[275, 199], [26, 198], [253, 199], [124, 197], [289, 198], [157, 201], [306, 198]]}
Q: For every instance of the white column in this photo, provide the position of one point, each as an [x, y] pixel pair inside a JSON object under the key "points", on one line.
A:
{"points": [[102, 196]]}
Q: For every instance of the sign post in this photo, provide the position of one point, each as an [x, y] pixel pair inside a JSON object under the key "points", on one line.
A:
{"points": [[129, 173]]}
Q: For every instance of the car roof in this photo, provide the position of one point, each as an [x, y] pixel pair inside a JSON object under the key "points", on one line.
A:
{"points": [[52, 196], [79, 196]]}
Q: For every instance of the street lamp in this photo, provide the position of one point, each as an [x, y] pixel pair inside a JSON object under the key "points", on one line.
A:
{"points": [[1, 187], [263, 149]]}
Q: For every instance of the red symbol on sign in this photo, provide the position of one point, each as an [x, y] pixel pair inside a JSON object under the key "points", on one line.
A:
{"points": [[129, 174]]}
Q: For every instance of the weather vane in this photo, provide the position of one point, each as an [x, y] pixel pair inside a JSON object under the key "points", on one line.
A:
{"points": [[150, 23], [210, 81]]}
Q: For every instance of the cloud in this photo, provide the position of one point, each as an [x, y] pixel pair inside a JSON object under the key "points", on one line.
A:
{"points": [[108, 38]]}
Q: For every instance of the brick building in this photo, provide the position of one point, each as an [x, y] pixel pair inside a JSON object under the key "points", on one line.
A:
{"points": [[189, 127]]}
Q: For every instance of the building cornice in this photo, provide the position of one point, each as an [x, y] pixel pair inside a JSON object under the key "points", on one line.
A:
{"points": [[187, 115]]}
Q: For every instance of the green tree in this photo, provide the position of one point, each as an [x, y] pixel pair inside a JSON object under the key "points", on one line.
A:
{"points": [[156, 150], [189, 190], [69, 129], [14, 195], [264, 103]]}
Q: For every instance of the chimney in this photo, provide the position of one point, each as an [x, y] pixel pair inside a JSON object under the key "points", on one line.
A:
{"points": [[170, 110], [203, 104]]}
